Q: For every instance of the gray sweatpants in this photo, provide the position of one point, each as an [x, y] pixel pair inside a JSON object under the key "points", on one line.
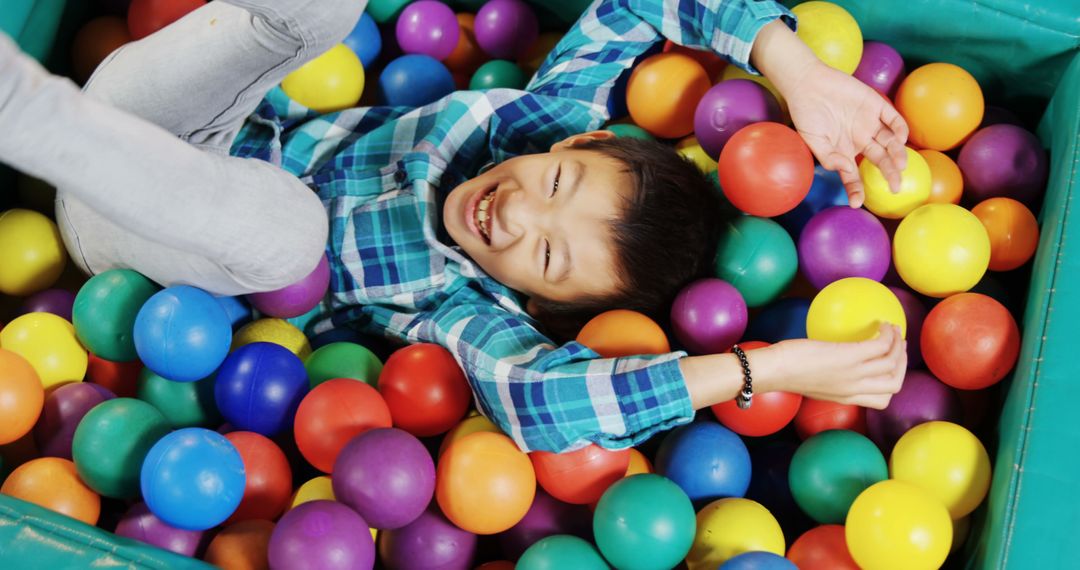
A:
{"points": [[140, 159]]}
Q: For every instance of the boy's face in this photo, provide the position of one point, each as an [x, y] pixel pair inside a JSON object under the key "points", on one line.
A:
{"points": [[539, 239]]}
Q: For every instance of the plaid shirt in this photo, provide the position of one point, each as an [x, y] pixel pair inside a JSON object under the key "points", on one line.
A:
{"points": [[383, 172]]}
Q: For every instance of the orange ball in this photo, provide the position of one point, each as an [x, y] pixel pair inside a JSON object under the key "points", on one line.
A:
{"points": [[771, 412], [942, 103], [268, 486], [148, 16], [94, 41], [639, 464], [333, 413], [536, 54], [467, 55], [484, 484], [970, 341], [621, 332], [21, 396], [496, 565], [468, 426], [1013, 231], [52, 482], [712, 63], [663, 94], [946, 181], [425, 389], [579, 477], [241, 546], [816, 416], [822, 548], [766, 169]]}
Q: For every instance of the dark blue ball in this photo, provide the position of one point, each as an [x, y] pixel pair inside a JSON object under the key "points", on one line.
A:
{"points": [[365, 40], [780, 320], [259, 386], [707, 460], [758, 561], [414, 80], [182, 333], [826, 191]]}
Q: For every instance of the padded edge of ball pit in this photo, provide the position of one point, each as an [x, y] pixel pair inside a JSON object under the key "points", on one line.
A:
{"points": [[34, 537]]}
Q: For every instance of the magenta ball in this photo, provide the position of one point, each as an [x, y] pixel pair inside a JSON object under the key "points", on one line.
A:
{"points": [[431, 542], [729, 106], [386, 475], [322, 535], [505, 29], [921, 399], [428, 27], [56, 301], [881, 67], [840, 242], [709, 316], [1003, 160], [915, 311], [547, 516], [64, 409], [296, 299], [140, 524]]}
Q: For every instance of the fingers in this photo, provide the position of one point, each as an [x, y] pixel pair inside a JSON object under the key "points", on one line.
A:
{"points": [[849, 175], [897, 125], [879, 346], [893, 145]]}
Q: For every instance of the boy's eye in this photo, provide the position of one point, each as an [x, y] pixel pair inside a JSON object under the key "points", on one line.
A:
{"points": [[555, 186], [547, 254]]}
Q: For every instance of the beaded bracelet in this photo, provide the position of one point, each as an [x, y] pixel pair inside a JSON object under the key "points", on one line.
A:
{"points": [[746, 396]]}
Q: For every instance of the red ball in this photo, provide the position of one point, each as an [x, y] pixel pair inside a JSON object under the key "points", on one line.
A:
{"points": [[766, 169], [816, 416], [333, 413], [822, 548], [121, 378], [148, 16], [425, 389], [269, 478], [770, 412], [579, 477], [970, 341]]}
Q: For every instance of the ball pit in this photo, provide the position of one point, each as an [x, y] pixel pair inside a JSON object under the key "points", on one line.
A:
{"points": [[506, 29], [914, 187], [365, 40], [941, 249], [758, 561], [184, 404], [148, 16], [241, 545], [1012, 229], [946, 180], [816, 416], [94, 42], [662, 92], [914, 315], [414, 80], [343, 360], [277, 331]]}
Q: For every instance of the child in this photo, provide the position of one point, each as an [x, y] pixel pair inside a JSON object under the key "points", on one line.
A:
{"points": [[475, 222]]}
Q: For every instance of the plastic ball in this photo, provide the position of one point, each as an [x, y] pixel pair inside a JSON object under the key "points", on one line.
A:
{"points": [[237, 309], [425, 389], [333, 413], [384, 11], [644, 521], [1012, 229], [140, 524], [735, 72], [120, 378], [706, 460], [321, 535], [193, 479], [970, 341], [48, 343], [766, 169], [826, 191], [729, 527], [631, 131], [921, 399], [852, 309], [111, 442], [467, 56], [914, 187], [65, 407], [757, 257], [365, 40], [830, 469], [277, 331], [915, 314], [21, 397], [428, 27], [942, 104], [414, 80], [241, 546], [941, 249], [331, 82], [783, 319], [182, 333], [52, 483], [56, 301], [268, 477], [295, 299], [259, 387], [343, 360], [713, 63], [771, 412], [831, 33], [534, 57], [1003, 161], [148, 16], [843, 242], [561, 551], [579, 477], [946, 460], [881, 67], [430, 541], [758, 561], [498, 74], [946, 180], [546, 517], [94, 42], [621, 332], [896, 525], [663, 94], [184, 404], [315, 489], [469, 425], [105, 310], [484, 483], [816, 416], [822, 548], [386, 475], [729, 106], [690, 149], [709, 316], [506, 29]]}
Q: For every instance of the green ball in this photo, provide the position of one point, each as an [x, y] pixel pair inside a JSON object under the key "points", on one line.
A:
{"points": [[104, 313], [830, 469], [384, 11], [757, 256], [112, 441], [644, 522], [343, 360], [630, 131], [496, 74], [560, 551], [184, 404]]}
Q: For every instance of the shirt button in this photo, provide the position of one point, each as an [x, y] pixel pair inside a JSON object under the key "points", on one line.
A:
{"points": [[400, 176]]}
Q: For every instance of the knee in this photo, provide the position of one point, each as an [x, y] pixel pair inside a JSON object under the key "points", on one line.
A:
{"points": [[324, 23]]}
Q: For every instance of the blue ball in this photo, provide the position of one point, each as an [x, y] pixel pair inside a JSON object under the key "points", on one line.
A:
{"points": [[758, 561], [193, 479], [259, 386], [826, 191], [414, 80], [707, 460], [365, 40], [182, 333], [237, 309], [784, 319]]}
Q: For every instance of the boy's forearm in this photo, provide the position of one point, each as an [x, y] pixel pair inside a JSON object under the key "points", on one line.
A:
{"points": [[782, 57], [715, 378]]}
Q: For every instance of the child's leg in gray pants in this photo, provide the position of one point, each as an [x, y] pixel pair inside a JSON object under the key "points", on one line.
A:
{"points": [[131, 192]]}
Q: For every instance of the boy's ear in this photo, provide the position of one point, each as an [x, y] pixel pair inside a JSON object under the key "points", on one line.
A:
{"points": [[532, 308], [574, 140]]}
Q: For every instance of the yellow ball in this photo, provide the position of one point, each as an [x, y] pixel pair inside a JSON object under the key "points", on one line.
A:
{"points": [[691, 150], [947, 461], [832, 34], [32, 255], [48, 343], [914, 187], [277, 331], [894, 525], [734, 72], [639, 464], [468, 426], [852, 309], [941, 249], [331, 82], [314, 489], [730, 527]]}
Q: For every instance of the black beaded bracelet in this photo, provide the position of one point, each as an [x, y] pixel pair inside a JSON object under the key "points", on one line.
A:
{"points": [[746, 396]]}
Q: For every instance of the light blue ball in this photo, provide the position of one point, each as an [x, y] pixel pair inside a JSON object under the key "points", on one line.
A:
{"points": [[758, 561], [365, 40], [182, 333], [707, 460], [414, 80]]}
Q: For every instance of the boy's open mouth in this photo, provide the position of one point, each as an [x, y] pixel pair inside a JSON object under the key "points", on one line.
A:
{"points": [[483, 213]]}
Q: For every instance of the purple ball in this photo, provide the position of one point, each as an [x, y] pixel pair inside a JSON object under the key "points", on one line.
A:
{"points": [[386, 475], [547, 516], [915, 311], [506, 29], [296, 299], [322, 535], [63, 410], [709, 316], [841, 242], [55, 301], [430, 542], [140, 524], [729, 106], [881, 67], [1003, 160], [428, 27], [921, 399]]}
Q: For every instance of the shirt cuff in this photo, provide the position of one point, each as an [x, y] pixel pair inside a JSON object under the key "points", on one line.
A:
{"points": [[666, 406], [739, 43]]}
